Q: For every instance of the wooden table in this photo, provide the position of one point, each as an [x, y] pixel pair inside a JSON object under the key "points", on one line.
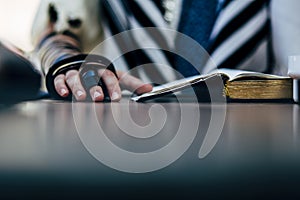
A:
{"points": [[42, 152]]}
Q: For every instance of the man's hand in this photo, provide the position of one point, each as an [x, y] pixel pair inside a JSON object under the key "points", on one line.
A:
{"points": [[70, 83]]}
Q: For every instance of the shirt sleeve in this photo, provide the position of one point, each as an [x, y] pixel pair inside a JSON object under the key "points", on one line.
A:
{"points": [[285, 32]]}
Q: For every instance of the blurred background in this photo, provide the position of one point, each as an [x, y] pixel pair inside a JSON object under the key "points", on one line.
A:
{"points": [[16, 18]]}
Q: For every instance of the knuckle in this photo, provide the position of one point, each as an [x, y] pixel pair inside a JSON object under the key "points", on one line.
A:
{"points": [[110, 81], [108, 73], [59, 80], [71, 73], [73, 80]]}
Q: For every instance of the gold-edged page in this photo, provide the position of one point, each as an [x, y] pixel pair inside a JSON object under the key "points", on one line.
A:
{"points": [[260, 89]]}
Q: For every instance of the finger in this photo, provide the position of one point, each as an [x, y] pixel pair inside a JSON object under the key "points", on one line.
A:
{"points": [[112, 84], [133, 84], [97, 93], [60, 86], [73, 81]]}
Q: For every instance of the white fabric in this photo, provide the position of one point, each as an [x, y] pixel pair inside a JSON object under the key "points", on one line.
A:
{"points": [[90, 31], [285, 32]]}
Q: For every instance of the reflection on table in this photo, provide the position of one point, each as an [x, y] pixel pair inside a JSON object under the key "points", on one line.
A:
{"points": [[256, 151]]}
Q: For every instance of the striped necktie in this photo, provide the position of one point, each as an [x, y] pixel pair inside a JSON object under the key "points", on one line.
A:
{"points": [[197, 21], [241, 33], [233, 32], [124, 15]]}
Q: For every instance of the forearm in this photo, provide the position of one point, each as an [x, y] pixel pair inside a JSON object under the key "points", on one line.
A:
{"points": [[56, 47]]}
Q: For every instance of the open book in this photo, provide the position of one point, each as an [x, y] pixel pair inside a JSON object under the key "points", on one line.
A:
{"points": [[237, 85]]}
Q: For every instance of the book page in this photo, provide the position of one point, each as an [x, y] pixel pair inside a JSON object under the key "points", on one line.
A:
{"points": [[174, 86], [169, 87], [235, 74]]}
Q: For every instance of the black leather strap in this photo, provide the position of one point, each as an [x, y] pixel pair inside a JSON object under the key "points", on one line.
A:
{"points": [[90, 79], [86, 64]]}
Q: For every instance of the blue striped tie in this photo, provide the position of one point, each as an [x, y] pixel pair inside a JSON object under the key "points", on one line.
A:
{"points": [[232, 37], [197, 21]]}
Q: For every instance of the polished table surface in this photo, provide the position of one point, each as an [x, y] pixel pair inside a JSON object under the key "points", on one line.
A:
{"points": [[49, 148]]}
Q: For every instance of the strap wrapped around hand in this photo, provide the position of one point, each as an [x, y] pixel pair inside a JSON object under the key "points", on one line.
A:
{"points": [[85, 64], [60, 53]]}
